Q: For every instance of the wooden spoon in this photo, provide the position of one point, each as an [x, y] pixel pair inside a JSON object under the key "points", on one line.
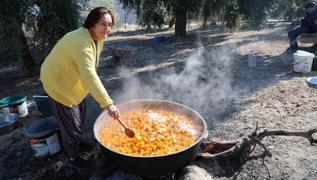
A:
{"points": [[127, 131]]}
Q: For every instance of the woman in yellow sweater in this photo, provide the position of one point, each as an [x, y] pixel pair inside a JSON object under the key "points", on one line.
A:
{"points": [[68, 74]]}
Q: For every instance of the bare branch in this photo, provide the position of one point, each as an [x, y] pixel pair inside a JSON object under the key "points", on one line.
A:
{"points": [[306, 134], [242, 147]]}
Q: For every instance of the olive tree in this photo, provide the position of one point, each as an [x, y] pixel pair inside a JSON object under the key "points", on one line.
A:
{"points": [[30, 28]]}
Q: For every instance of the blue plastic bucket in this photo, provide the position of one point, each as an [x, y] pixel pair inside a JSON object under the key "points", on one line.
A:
{"points": [[15, 104], [159, 38]]}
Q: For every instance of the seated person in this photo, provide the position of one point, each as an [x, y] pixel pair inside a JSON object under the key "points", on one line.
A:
{"points": [[308, 25]]}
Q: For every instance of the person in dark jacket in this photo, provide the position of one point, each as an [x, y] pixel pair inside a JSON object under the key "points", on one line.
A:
{"points": [[308, 25]]}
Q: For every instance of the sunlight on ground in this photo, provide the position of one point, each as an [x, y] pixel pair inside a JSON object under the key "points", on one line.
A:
{"points": [[257, 42]]}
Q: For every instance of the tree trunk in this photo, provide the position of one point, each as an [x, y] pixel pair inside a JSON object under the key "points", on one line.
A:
{"points": [[181, 21], [29, 65], [205, 21]]}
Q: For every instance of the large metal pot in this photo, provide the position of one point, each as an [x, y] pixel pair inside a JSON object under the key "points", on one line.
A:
{"points": [[153, 165]]}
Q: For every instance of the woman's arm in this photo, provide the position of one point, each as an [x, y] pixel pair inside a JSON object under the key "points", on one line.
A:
{"points": [[86, 62]]}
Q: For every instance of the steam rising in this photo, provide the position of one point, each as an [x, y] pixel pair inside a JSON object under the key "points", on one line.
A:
{"points": [[202, 83]]}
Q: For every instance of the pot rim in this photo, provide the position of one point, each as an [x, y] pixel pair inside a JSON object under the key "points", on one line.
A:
{"points": [[202, 136]]}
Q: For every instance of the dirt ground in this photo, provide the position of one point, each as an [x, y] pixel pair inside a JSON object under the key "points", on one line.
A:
{"points": [[207, 71]]}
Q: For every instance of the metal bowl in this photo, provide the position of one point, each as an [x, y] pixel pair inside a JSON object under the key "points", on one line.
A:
{"points": [[312, 81], [153, 165]]}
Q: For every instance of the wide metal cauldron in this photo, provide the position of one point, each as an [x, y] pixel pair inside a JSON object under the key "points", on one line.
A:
{"points": [[152, 165]]}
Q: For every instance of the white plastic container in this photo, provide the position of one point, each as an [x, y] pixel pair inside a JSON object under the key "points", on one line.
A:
{"points": [[45, 145], [14, 104], [303, 61], [43, 138], [21, 109], [252, 60]]}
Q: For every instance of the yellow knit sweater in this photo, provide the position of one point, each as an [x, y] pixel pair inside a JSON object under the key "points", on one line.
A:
{"points": [[69, 72]]}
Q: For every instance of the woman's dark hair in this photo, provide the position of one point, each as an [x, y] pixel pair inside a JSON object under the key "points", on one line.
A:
{"points": [[96, 14]]}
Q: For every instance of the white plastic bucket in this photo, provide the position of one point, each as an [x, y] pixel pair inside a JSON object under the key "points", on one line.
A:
{"points": [[44, 146], [43, 138], [15, 104], [303, 61]]}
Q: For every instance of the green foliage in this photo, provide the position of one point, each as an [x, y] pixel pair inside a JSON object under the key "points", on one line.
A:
{"points": [[212, 9], [56, 18], [42, 22], [12, 15], [150, 13], [152, 16], [289, 9], [87, 6], [10, 47], [255, 11], [232, 15], [178, 5], [106, 3]]}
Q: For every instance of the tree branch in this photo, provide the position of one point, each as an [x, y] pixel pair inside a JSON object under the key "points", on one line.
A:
{"points": [[305, 134], [242, 146]]}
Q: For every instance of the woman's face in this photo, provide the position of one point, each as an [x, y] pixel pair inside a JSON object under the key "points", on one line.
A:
{"points": [[310, 10], [102, 28]]}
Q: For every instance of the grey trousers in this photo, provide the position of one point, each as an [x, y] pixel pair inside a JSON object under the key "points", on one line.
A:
{"points": [[70, 121]]}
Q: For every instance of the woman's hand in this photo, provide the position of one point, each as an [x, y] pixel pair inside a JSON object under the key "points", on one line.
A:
{"points": [[113, 111]]}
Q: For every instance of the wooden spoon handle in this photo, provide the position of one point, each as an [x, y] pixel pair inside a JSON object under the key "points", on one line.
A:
{"points": [[118, 119]]}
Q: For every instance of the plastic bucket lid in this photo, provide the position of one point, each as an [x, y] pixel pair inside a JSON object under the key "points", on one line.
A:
{"points": [[41, 129], [12, 100]]}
